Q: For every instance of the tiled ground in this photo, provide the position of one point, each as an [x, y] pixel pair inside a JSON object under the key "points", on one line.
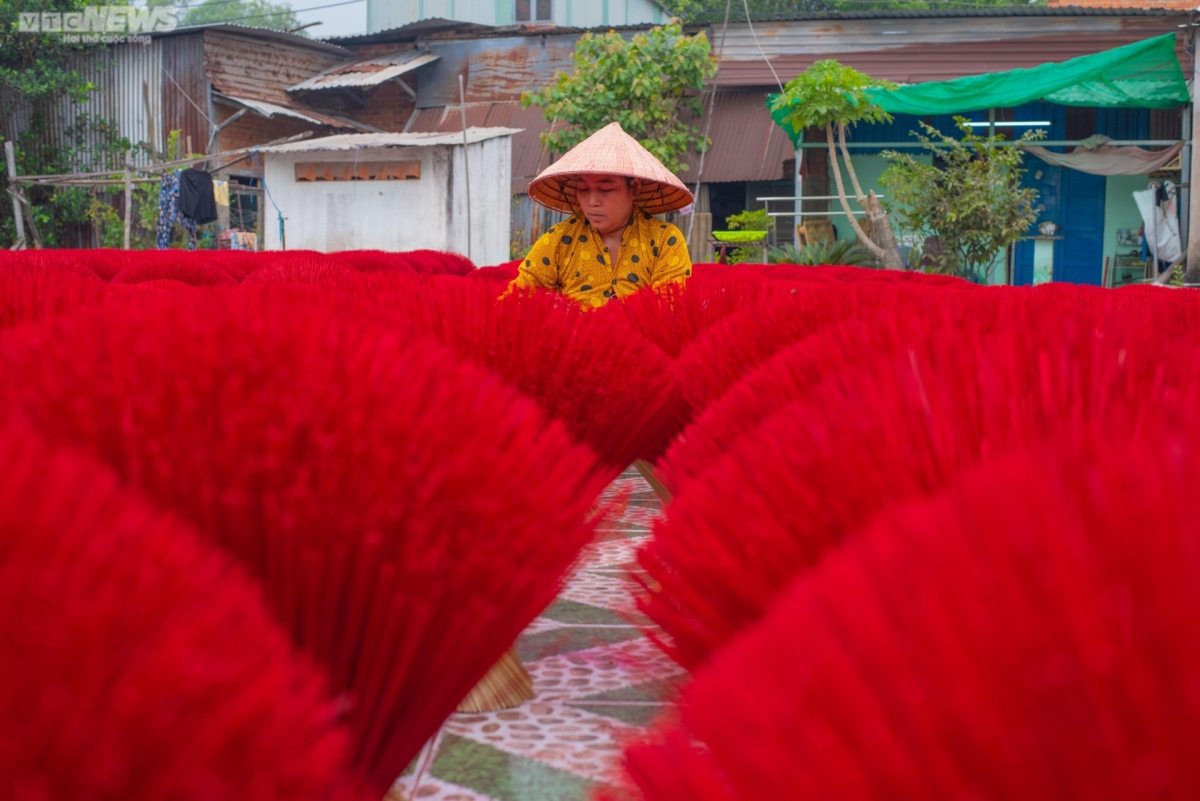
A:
{"points": [[597, 679]]}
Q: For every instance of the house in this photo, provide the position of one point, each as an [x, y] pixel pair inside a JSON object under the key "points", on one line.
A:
{"points": [[920, 46], [383, 15], [224, 87], [392, 191], [751, 158], [406, 79]]}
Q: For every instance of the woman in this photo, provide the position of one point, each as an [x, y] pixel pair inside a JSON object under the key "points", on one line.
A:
{"points": [[612, 244]]}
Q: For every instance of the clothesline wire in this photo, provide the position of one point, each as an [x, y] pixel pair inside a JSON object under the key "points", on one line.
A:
{"points": [[763, 53]]}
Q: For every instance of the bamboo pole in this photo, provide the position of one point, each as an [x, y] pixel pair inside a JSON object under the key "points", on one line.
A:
{"points": [[128, 196], [1193, 243], [16, 204], [157, 169], [462, 96]]}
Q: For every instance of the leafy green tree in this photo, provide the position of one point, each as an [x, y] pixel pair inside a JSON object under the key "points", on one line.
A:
{"points": [[35, 73], [35, 66], [643, 82], [254, 13], [832, 96], [970, 198]]}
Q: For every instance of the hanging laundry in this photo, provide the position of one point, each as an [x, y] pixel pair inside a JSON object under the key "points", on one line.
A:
{"points": [[190, 226], [168, 208], [221, 192], [196, 197], [1161, 222]]}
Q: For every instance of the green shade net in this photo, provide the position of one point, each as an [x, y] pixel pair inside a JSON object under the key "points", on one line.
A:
{"points": [[1140, 75]]}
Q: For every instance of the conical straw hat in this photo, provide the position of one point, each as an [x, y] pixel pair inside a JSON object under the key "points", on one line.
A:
{"points": [[611, 151]]}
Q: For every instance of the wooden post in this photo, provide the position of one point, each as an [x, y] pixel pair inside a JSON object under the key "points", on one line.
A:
{"points": [[151, 138], [1193, 245], [798, 191], [128, 196], [11, 158], [462, 97]]}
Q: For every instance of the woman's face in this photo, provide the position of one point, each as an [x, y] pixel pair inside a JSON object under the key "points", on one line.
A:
{"points": [[606, 200]]}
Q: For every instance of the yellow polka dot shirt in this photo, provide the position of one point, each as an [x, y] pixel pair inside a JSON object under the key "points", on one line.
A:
{"points": [[571, 258]]}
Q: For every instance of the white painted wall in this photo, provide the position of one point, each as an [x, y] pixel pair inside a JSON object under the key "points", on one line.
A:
{"points": [[396, 215], [384, 15]]}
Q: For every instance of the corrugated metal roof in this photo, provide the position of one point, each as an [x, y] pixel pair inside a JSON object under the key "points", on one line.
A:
{"points": [[269, 110], [357, 141], [925, 50], [367, 71], [528, 158], [410, 32], [980, 12], [746, 144], [257, 33]]}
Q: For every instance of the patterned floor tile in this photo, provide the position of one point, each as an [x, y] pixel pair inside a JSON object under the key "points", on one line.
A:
{"points": [[597, 679], [505, 776]]}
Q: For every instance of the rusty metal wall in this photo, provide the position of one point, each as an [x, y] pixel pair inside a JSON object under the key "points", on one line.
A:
{"points": [[528, 158], [243, 66], [495, 68], [185, 90], [913, 50]]}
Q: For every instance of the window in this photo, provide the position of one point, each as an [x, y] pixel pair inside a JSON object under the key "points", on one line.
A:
{"points": [[534, 11]]}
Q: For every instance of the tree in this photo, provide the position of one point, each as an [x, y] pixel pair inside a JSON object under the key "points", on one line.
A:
{"points": [[643, 83], [831, 96], [35, 72], [254, 13], [34, 66], [973, 202]]}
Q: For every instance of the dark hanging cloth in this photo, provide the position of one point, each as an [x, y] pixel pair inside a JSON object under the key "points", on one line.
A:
{"points": [[168, 208], [196, 199]]}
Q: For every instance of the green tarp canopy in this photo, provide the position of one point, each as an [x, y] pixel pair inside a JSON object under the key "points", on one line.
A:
{"points": [[1140, 75]]}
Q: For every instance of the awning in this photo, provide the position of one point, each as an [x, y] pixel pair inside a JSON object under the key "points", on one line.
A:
{"points": [[1140, 75], [366, 72], [1144, 74], [270, 110]]}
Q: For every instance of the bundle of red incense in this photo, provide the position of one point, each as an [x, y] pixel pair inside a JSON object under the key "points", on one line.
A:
{"points": [[299, 267], [173, 265], [1025, 635], [138, 662], [674, 315], [878, 432], [720, 356], [408, 514], [33, 290], [588, 370]]}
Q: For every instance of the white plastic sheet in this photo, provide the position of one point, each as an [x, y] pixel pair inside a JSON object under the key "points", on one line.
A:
{"points": [[1161, 223]]}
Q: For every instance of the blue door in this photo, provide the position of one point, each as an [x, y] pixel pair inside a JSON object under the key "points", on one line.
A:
{"points": [[1079, 256], [1048, 182], [1075, 202]]}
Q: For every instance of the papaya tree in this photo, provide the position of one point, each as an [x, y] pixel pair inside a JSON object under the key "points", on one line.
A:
{"points": [[831, 96]]}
